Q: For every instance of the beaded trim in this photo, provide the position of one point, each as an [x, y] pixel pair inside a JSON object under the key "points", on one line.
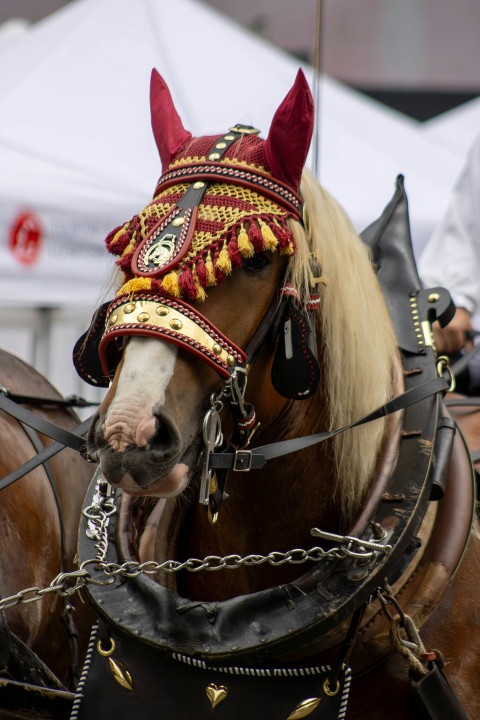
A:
{"points": [[222, 171]]}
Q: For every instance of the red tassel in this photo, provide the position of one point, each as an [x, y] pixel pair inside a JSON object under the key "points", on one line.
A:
{"points": [[234, 253], [202, 273], [256, 237], [187, 285], [120, 244], [125, 261], [284, 236]]}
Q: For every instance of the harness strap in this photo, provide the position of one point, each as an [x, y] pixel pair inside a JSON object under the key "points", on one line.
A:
{"points": [[55, 432], [47, 452], [245, 460]]}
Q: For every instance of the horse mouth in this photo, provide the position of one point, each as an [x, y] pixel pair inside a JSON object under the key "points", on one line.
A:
{"points": [[140, 472]]}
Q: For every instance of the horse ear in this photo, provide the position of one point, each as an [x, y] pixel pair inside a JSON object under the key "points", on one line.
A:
{"points": [[290, 135], [168, 131]]}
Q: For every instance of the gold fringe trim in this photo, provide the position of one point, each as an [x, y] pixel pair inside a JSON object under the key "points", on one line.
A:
{"points": [[224, 264], [170, 284], [271, 241], [135, 285], [244, 245]]}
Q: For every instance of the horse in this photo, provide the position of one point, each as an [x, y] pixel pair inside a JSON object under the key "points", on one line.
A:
{"points": [[39, 517], [249, 316]]}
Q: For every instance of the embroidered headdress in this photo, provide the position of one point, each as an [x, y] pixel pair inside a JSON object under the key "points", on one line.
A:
{"points": [[220, 199]]}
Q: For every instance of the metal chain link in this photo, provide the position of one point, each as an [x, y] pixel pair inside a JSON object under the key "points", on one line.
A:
{"points": [[98, 516]]}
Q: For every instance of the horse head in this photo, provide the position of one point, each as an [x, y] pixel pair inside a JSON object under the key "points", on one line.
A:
{"points": [[224, 278]]}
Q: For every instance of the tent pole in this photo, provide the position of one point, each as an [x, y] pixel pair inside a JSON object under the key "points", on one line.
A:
{"points": [[317, 62]]}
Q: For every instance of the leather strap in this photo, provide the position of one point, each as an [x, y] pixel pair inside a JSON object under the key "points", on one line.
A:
{"points": [[55, 432], [47, 452], [244, 460]]}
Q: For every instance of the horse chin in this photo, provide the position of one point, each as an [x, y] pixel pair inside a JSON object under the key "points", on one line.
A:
{"points": [[141, 474], [169, 485]]}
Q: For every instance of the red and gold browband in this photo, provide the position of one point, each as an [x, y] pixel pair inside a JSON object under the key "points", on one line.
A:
{"points": [[164, 317]]}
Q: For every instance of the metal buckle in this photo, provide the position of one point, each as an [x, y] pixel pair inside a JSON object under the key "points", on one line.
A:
{"points": [[242, 461]]}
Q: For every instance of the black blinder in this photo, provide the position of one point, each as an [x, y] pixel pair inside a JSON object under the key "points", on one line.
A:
{"points": [[85, 353], [295, 369]]}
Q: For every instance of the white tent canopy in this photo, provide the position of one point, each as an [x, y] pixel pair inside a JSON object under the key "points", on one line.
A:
{"points": [[77, 154], [455, 129]]}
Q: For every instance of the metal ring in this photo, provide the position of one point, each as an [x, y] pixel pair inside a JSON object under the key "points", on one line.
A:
{"points": [[443, 365], [327, 689], [106, 653]]}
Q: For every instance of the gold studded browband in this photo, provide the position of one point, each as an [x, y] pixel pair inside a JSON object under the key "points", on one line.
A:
{"points": [[161, 316]]}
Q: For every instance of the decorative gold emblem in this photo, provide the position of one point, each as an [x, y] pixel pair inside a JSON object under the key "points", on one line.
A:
{"points": [[161, 252], [216, 694], [121, 674], [305, 708], [118, 670]]}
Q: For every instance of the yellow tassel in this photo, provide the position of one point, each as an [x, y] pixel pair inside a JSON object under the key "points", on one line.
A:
{"points": [[170, 284], [136, 285], [244, 245], [129, 248], [288, 250], [210, 271], [271, 241], [224, 264], [201, 294]]}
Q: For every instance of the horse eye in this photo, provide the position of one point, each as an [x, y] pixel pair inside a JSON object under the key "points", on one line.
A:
{"points": [[257, 263]]}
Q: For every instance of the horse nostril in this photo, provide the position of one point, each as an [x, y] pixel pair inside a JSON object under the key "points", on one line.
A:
{"points": [[166, 441]]}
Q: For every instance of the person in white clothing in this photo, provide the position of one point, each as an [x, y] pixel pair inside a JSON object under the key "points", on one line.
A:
{"points": [[451, 259]]}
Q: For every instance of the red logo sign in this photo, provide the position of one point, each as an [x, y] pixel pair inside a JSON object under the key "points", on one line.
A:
{"points": [[26, 238]]}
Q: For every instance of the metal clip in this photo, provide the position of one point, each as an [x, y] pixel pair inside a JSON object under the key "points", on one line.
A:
{"points": [[212, 437]]}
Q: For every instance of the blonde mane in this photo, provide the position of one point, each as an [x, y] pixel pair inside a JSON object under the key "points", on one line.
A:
{"points": [[359, 349]]}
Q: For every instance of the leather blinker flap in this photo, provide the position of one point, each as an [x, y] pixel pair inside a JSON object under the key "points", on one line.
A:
{"points": [[295, 369], [86, 359]]}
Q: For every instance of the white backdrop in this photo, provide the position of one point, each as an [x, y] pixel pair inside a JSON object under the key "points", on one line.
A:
{"points": [[77, 156]]}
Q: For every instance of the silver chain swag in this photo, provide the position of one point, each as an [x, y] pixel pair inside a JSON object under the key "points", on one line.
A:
{"points": [[98, 516]]}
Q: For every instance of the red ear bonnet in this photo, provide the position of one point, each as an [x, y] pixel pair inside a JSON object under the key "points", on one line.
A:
{"points": [[168, 131], [288, 142], [221, 198]]}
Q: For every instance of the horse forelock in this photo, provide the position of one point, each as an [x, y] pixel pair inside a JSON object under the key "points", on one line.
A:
{"points": [[355, 335]]}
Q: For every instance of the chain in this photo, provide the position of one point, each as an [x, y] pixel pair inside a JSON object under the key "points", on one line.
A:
{"points": [[98, 516]]}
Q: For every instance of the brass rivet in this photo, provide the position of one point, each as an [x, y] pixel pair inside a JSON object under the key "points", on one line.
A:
{"points": [[214, 156], [162, 311], [176, 324], [230, 360], [143, 317], [433, 297], [229, 137], [221, 145], [112, 320], [198, 185], [216, 349], [129, 308], [178, 221]]}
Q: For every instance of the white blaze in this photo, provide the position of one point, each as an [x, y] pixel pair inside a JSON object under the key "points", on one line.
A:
{"points": [[147, 369]]}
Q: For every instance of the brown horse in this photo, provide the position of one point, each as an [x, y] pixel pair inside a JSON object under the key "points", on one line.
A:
{"points": [[166, 404], [30, 524]]}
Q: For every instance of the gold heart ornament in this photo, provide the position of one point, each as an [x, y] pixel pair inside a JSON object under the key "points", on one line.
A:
{"points": [[216, 694]]}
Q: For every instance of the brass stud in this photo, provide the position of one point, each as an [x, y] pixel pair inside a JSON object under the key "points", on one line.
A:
{"points": [[176, 324], [221, 145], [178, 221], [229, 137], [327, 688], [113, 319], [214, 156], [198, 185], [143, 317], [216, 349], [161, 310], [129, 308], [433, 297], [230, 360]]}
